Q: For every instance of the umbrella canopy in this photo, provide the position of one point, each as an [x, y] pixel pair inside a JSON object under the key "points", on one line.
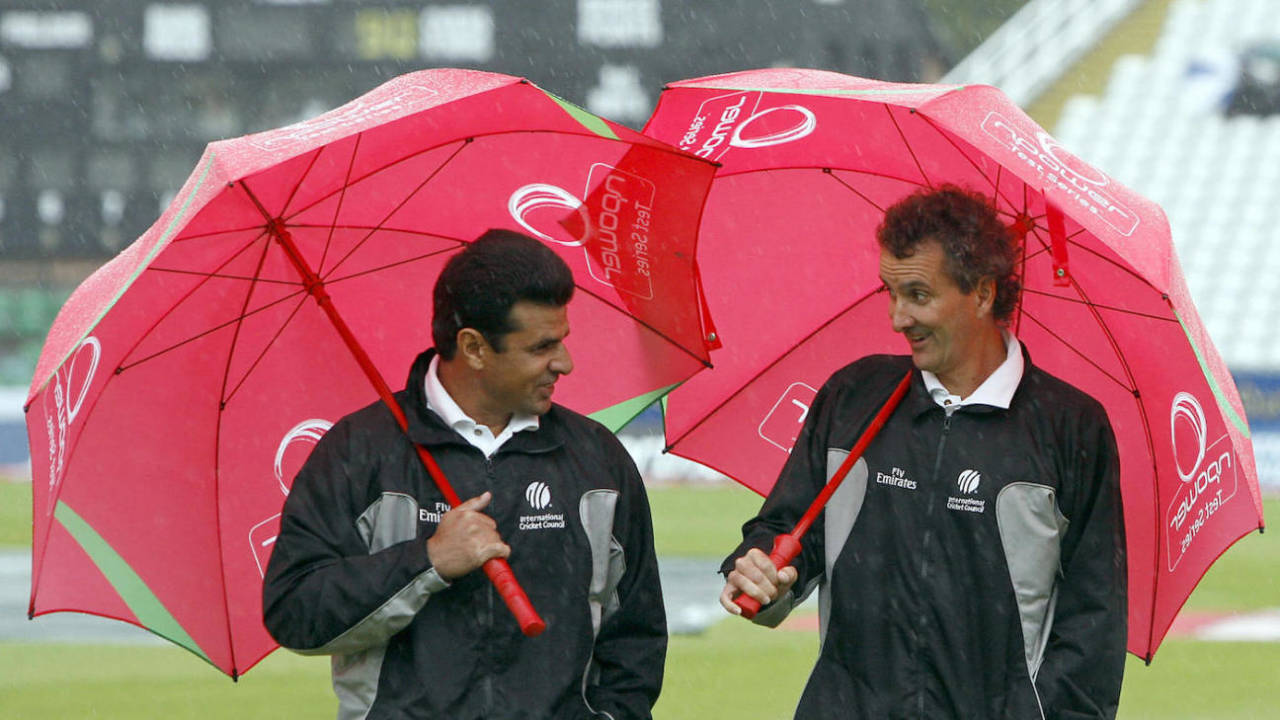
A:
{"points": [[183, 384], [811, 159]]}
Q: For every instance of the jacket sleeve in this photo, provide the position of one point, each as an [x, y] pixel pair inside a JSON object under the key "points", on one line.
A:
{"points": [[1083, 663], [328, 587], [631, 647], [802, 478]]}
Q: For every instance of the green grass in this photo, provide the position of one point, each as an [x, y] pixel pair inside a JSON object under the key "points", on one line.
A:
{"points": [[15, 514], [735, 669]]}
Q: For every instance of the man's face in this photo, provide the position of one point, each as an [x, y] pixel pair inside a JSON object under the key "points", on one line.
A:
{"points": [[521, 378], [941, 324]]}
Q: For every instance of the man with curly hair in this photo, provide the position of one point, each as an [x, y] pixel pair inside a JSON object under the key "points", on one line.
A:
{"points": [[972, 564]]}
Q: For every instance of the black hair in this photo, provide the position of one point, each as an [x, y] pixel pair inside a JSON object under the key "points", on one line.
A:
{"points": [[479, 285], [975, 243]]}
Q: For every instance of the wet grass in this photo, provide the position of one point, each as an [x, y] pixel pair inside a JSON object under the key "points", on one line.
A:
{"points": [[733, 670]]}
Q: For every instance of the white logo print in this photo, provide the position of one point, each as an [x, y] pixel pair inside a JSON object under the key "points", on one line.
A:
{"points": [[262, 537], [538, 495], [967, 482], [719, 125], [805, 126], [617, 217], [1084, 186], [1207, 484], [70, 385], [1187, 408], [784, 420], [307, 431], [541, 195]]}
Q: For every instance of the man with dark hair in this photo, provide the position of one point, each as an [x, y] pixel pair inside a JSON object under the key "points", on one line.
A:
{"points": [[972, 564], [374, 568]]}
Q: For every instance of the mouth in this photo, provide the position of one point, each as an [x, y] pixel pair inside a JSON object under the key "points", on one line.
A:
{"points": [[917, 339]]}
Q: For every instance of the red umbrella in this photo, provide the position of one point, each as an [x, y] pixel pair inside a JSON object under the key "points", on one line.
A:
{"points": [[811, 159], [185, 381]]}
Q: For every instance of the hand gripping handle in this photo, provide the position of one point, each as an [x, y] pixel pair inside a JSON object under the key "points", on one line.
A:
{"points": [[785, 549], [513, 595]]}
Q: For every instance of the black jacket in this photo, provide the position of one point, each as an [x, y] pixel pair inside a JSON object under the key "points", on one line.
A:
{"points": [[971, 566], [350, 576]]}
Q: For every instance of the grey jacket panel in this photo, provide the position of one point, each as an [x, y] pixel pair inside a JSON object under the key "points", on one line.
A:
{"points": [[1031, 531], [355, 681], [840, 514], [358, 653], [607, 561]]}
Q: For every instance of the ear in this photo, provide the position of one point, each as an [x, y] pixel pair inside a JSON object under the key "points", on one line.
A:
{"points": [[473, 349], [985, 292]]}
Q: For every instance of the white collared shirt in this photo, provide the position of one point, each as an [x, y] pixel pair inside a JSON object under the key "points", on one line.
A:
{"points": [[442, 403], [996, 390]]}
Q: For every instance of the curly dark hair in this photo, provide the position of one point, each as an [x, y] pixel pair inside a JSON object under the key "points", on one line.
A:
{"points": [[974, 241], [479, 286]]}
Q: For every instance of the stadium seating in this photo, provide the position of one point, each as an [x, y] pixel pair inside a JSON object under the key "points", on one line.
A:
{"points": [[1160, 129]]}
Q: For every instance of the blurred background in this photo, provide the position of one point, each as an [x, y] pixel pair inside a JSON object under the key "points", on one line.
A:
{"points": [[106, 106]]}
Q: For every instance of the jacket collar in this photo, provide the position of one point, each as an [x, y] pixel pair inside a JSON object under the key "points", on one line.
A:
{"points": [[919, 400], [427, 428]]}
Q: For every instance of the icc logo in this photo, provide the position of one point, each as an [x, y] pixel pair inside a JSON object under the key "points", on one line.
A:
{"points": [[262, 537], [538, 495], [968, 481]]}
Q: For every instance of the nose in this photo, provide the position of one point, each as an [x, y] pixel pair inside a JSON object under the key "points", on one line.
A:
{"points": [[562, 363], [899, 316]]}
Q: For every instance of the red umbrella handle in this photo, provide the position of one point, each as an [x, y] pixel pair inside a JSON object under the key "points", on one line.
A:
{"points": [[499, 572], [497, 569], [785, 549], [787, 546]]}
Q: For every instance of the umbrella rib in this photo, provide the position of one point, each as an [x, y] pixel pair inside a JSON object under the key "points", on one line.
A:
{"points": [[239, 323], [214, 233], [315, 156], [1112, 308], [342, 196], [360, 243], [223, 276], [209, 331], [857, 192], [1128, 387], [664, 149], [769, 366], [999, 166], [332, 280], [270, 343], [907, 144], [642, 323], [164, 315]]}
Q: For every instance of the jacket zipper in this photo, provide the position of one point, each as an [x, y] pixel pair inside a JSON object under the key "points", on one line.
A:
{"points": [[924, 544]]}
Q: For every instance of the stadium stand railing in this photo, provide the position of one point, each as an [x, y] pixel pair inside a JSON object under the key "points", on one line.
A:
{"points": [[1035, 46]]}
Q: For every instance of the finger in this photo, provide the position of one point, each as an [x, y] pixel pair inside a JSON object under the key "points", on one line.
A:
{"points": [[761, 590], [726, 599], [787, 576], [495, 550], [751, 568], [478, 502]]}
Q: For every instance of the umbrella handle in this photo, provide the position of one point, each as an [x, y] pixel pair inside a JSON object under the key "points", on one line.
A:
{"points": [[513, 595], [785, 549]]}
